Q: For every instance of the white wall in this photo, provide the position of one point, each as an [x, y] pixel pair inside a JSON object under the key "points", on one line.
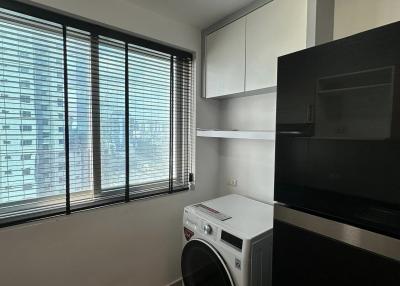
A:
{"points": [[250, 162], [129, 244], [354, 16]]}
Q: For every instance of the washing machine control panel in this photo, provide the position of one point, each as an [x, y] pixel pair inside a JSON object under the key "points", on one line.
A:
{"points": [[198, 225], [192, 224], [207, 229]]}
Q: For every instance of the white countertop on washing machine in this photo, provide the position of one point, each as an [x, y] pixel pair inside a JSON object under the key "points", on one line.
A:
{"points": [[249, 217]]}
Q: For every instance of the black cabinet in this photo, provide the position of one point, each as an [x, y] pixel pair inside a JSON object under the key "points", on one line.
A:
{"points": [[338, 130], [295, 106], [302, 257], [346, 89]]}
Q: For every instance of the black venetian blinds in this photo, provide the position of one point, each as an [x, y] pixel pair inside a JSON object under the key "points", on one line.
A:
{"points": [[88, 115], [32, 145]]}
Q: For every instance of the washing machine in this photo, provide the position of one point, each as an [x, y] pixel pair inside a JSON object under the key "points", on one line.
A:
{"points": [[227, 241]]}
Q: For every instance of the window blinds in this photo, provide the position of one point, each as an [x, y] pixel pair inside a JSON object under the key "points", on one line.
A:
{"points": [[87, 118], [149, 117], [32, 163]]}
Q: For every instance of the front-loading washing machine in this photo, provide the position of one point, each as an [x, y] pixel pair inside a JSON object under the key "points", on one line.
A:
{"points": [[227, 241]]}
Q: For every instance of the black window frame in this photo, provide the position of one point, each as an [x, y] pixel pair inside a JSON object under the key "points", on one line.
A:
{"points": [[99, 29]]}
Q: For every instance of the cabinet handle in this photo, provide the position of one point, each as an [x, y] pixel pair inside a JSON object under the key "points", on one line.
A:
{"points": [[290, 132], [310, 113]]}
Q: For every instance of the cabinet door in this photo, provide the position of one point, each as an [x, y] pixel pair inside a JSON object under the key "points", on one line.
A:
{"points": [[276, 29], [225, 60], [302, 257]]}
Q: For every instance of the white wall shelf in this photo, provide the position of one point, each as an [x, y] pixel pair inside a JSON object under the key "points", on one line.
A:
{"points": [[237, 134]]}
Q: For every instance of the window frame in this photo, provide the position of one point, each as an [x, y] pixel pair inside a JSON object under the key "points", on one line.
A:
{"points": [[131, 192]]}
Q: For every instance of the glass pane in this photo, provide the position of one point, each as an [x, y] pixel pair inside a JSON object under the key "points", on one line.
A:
{"points": [[32, 155], [112, 113], [149, 117], [79, 108]]}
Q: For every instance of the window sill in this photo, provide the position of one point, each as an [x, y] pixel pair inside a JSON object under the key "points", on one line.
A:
{"points": [[61, 211]]}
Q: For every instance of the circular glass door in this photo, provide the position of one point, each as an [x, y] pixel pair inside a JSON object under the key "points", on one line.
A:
{"points": [[203, 266]]}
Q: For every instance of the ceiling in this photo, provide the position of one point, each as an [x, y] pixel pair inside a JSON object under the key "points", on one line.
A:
{"points": [[198, 13]]}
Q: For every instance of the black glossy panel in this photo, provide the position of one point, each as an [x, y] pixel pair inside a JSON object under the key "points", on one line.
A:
{"points": [[338, 130], [301, 257]]}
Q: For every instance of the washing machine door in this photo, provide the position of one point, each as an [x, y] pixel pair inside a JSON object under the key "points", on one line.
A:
{"points": [[202, 265]]}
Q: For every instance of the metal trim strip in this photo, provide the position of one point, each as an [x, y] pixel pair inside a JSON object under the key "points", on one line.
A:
{"points": [[361, 238]]}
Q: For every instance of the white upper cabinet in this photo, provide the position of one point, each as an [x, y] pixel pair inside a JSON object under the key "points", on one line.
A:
{"points": [[241, 57], [225, 60], [275, 29]]}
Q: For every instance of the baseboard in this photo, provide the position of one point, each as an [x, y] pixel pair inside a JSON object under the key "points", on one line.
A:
{"points": [[177, 282]]}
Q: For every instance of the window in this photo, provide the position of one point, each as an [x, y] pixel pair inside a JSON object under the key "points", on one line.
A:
{"points": [[89, 115]]}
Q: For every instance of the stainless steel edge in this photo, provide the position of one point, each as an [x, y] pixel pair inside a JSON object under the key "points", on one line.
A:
{"points": [[361, 238]]}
